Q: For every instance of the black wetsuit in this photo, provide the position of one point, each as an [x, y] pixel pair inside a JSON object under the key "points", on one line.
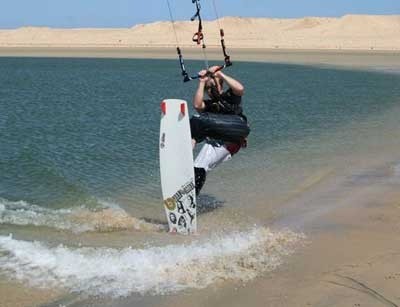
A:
{"points": [[222, 119]]}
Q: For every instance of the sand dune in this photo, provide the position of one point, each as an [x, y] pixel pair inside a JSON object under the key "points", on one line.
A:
{"points": [[350, 32]]}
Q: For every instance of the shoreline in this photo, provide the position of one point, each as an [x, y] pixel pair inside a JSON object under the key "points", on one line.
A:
{"points": [[377, 60], [351, 257]]}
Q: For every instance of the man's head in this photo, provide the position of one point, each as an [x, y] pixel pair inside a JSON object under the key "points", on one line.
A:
{"points": [[214, 87]]}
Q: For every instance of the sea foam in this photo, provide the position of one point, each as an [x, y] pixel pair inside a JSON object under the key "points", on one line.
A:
{"points": [[238, 256], [107, 216]]}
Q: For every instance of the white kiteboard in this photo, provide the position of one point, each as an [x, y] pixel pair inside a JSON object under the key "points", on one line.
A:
{"points": [[176, 167]]}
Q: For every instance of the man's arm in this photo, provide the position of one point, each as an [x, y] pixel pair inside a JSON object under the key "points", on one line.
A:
{"points": [[198, 99], [236, 86]]}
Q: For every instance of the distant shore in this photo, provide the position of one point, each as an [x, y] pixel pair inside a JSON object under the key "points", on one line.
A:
{"points": [[357, 59], [349, 32], [357, 41]]}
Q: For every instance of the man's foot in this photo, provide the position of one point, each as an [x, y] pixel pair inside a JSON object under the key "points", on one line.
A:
{"points": [[199, 178]]}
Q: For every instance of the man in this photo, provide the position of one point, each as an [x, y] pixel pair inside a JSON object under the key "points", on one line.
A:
{"points": [[220, 122]]}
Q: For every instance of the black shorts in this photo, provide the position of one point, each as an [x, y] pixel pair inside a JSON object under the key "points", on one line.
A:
{"points": [[223, 127]]}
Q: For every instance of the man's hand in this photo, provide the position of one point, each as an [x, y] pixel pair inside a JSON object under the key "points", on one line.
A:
{"points": [[236, 87], [215, 71], [203, 75]]}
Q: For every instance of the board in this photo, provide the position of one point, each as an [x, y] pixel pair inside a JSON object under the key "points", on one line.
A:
{"points": [[176, 167]]}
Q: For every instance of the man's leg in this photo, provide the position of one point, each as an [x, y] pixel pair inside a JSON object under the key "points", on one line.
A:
{"points": [[210, 156]]}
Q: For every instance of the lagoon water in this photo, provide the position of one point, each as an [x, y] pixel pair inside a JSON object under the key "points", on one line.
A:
{"points": [[79, 167]]}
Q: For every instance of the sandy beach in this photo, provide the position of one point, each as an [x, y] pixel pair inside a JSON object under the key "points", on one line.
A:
{"points": [[357, 41], [352, 253], [349, 32]]}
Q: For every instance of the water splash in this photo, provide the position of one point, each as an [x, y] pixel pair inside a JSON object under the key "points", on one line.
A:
{"points": [[106, 217], [239, 256]]}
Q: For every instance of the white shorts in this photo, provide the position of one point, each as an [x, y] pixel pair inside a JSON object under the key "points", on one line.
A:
{"points": [[211, 155]]}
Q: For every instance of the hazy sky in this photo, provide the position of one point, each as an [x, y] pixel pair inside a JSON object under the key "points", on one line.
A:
{"points": [[126, 13]]}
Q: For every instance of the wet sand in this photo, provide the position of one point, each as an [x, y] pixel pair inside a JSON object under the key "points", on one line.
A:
{"points": [[351, 256], [13, 294]]}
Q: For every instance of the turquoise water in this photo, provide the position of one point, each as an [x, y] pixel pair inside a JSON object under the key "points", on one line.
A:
{"points": [[79, 158], [74, 129]]}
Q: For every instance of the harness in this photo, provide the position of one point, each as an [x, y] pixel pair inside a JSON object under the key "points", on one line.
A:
{"points": [[225, 104]]}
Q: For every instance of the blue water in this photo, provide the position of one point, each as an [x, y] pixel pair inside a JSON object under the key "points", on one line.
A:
{"points": [[79, 167], [74, 130]]}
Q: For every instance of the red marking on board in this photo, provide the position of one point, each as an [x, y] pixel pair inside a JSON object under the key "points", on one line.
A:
{"points": [[183, 109], [164, 107]]}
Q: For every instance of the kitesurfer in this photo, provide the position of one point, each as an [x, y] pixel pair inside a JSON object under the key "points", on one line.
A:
{"points": [[220, 121]]}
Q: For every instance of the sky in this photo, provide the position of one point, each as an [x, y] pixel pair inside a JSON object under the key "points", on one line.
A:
{"points": [[127, 13]]}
